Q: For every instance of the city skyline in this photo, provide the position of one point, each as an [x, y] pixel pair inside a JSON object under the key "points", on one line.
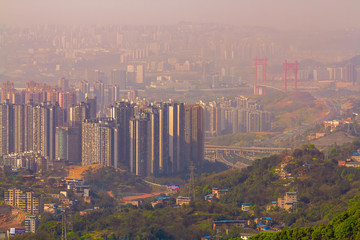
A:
{"points": [[278, 14]]}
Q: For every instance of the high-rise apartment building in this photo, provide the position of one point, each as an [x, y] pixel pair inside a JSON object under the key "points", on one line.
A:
{"points": [[99, 141], [242, 115], [175, 136], [25, 201], [6, 128], [92, 108], [350, 73], [68, 143], [63, 84], [194, 135], [163, 139], [114, 93], [152, 141], [45, 118], [84, 89], [67, 99], [130, 75], [78, 113], [138, 144], [140, 73], [122, 112], [99, 90]]}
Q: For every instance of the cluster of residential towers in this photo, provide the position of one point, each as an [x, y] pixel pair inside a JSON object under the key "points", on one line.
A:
{"points": [[145, 138]]}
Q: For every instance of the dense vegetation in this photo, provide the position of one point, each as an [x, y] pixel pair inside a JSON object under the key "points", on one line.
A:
{"points": [[325, 192], [344, 226], [323, 188]]}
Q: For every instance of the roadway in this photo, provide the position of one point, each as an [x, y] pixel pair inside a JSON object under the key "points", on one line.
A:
{"points": [[244, 149]]}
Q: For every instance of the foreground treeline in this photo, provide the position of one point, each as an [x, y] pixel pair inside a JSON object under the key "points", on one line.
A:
{"points": [[344, 226]]}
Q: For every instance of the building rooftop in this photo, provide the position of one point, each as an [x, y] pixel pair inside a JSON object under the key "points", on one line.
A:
{"points": [[162, 197], [224, 221]]}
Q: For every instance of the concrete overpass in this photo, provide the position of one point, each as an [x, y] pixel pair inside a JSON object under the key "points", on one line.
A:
{"points": [[212, 148], [216, 153]]}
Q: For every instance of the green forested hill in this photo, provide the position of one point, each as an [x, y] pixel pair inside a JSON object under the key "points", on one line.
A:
{"points": [[323, 188], [344, 226], [327, 203]]}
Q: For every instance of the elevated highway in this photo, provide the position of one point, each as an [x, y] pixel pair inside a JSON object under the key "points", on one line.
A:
{"points": [[216, 153], [211, 148]]}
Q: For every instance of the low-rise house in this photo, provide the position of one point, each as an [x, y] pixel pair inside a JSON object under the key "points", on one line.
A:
{"points": [[228, 224], [161, 200], [272, 205], [333, 124], [207, 238], [12, 232], [133, 202], [319, 135], [209, 197], [31, 224], [349, 163], [245, 207], [263, 227], [50, 207], [183, 200], [263, 220], [218, 193], [287, 201], [356, 156], [86, 211]]}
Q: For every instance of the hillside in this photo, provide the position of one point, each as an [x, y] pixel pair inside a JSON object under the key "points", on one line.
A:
{"points": [[76, 172], [337, 138], [344, 226], [323, 191], [10, 217], [323, 188], [294, 110]]}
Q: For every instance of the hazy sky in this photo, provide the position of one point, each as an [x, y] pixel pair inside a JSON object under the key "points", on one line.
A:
{"points": [[270, 13]]}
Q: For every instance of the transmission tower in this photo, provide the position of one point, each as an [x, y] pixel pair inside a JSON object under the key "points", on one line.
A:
{"points": [[63, 223], [192, 181]]}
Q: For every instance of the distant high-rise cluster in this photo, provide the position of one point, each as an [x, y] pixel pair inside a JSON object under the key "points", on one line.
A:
{"points": [[39, 93], [348, 73], [146, 138], [226, 116], [152, 139], [44, 128], [29, 127], [27, 160]]}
